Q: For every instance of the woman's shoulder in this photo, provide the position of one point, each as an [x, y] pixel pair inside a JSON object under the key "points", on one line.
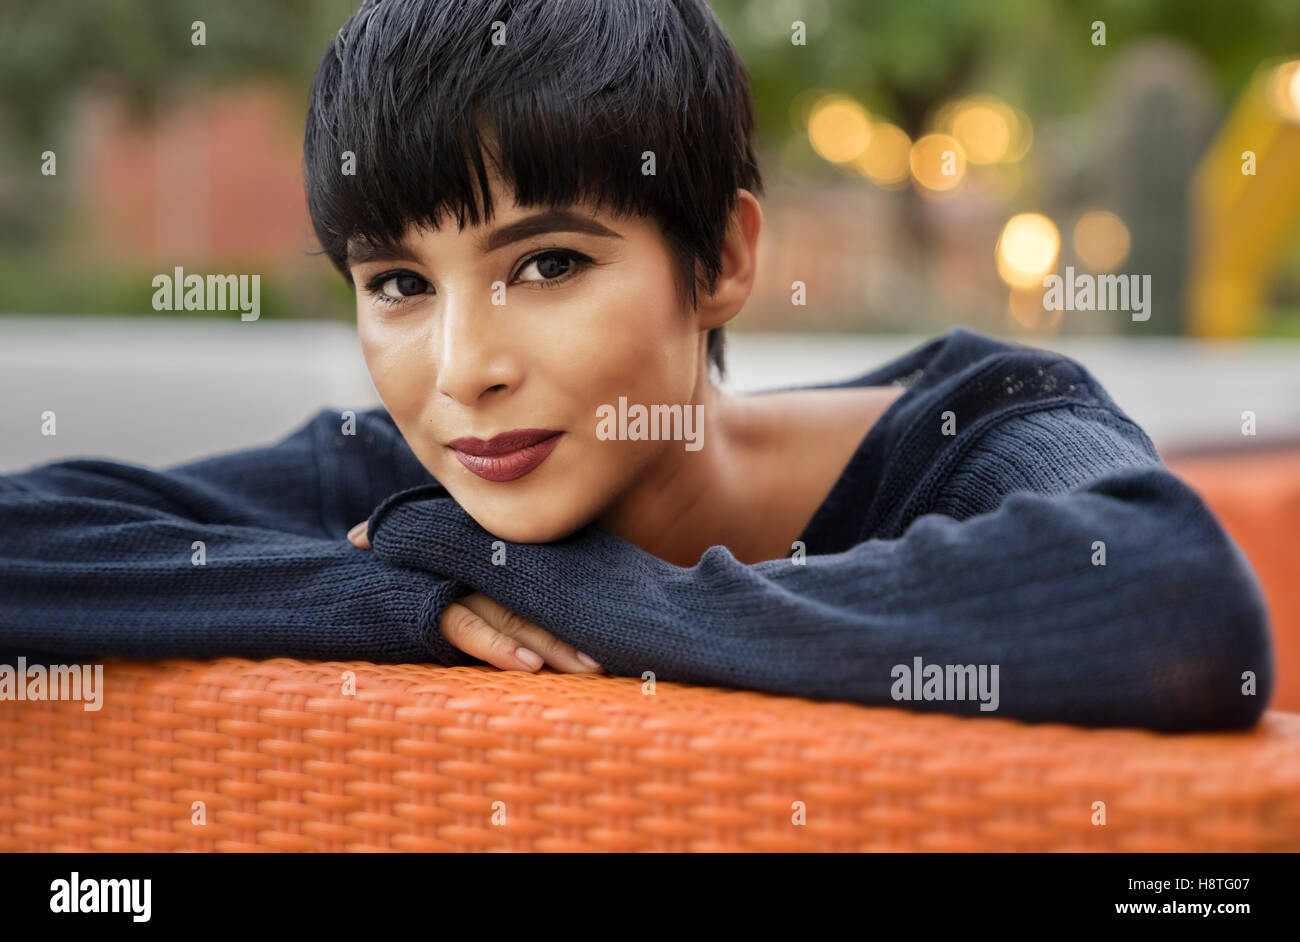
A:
{"points": [[979, 379], [982, 414], [980, 372]]}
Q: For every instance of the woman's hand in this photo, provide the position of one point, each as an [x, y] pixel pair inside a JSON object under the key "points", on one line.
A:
{"points": [[483, 629]]}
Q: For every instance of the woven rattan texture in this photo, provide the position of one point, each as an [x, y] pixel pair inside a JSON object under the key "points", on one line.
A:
{"points": [[417, 759]]}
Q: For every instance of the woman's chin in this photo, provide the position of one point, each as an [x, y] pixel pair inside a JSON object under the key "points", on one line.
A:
{"points": [[513, 529]]}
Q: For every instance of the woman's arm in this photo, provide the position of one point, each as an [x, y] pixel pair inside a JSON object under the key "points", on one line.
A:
{"points": [[238, 555], [1162, 635]]}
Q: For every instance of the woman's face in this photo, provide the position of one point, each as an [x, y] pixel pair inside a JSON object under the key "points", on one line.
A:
{"points": [[528, 322]]}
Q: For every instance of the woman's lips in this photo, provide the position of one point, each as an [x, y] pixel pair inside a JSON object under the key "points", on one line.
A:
{"points": [[507, 456]]}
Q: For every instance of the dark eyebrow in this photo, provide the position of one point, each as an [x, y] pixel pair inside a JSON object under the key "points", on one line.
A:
{"points": [[553, 220], [368, 250]]}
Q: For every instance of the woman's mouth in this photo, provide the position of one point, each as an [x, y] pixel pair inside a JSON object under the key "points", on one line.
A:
{"points": [[507, 456]]}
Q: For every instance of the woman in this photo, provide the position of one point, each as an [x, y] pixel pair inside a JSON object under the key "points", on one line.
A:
{"points": [[548, 220]]}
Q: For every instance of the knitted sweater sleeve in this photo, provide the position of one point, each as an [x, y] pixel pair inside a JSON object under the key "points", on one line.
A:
{"points": [[242, 554], [1067, 556]]}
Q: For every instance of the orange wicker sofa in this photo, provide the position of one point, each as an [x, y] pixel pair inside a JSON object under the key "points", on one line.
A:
{"points": [[237, 755]]}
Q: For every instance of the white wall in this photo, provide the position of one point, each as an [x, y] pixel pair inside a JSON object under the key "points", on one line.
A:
{"points": [[160, 390]]}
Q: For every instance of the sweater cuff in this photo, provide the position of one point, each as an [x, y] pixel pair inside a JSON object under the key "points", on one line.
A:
{"points": [[420, 529], [445, 591], [427, 623], [421, 492], [424, 528]]}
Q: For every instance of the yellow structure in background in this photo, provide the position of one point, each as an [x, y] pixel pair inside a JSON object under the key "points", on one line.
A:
{"points": [[1243, 219]]}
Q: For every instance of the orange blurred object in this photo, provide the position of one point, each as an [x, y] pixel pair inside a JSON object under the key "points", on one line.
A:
{"points": [[1256, 497]]}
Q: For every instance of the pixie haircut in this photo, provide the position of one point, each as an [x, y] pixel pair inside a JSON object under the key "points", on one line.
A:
{"points": [[568, 99]]}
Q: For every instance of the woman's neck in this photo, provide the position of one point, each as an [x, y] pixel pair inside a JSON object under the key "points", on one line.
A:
{"points": [[767, 464], [687, 501]]}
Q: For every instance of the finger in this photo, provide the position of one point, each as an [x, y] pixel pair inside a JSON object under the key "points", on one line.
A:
{"points": [[357, 535], [471, 634], [559, 655]]}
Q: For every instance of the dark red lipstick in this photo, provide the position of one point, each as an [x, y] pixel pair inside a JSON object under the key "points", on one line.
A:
{"points": [[507, 456]]}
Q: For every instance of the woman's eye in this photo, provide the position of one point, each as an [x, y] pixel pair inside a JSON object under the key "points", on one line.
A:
{"points": [[392, 288], [403, 286], [551, 266]]}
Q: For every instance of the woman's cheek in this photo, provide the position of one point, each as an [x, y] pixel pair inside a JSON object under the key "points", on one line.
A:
{"points": [[371, 349], [393, 362]]}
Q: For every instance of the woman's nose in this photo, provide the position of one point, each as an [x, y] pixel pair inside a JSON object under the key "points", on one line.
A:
{"points": [[473, 353]]}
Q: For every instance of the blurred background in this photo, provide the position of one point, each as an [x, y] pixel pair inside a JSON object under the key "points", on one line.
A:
{"points": [[928, 163]]}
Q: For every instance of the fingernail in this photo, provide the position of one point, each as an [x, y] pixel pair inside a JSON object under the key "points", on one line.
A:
{"points": [[589, 662], [359, 529], [531, 658]]}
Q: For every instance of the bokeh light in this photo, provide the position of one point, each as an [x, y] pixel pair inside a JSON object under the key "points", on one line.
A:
{"points": [[1022, 135], [1284, 90], [1101, 240], [885, 161], [990, 130], [983, 131], [1025, 305], [938, 162], [839, 129], [1027, 249]]}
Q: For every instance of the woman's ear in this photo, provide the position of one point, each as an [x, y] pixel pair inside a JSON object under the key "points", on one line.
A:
{"points": [[739, 264]]}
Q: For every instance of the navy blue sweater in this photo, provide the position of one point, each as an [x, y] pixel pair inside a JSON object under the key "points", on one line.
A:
{"points": [[1003, 514]]}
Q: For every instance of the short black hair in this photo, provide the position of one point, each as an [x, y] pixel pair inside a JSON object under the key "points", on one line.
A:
{"points": [[567, 107]]}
